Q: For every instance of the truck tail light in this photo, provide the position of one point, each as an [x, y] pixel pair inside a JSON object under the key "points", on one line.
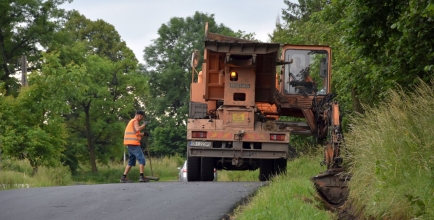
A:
{"points": [[277, 137], [198, 134]]}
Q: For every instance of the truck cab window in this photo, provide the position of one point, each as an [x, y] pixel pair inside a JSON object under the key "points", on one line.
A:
{"points": [[307, 74]]}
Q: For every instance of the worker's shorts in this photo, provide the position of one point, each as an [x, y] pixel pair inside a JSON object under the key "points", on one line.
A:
{"points": [[135, 153]]}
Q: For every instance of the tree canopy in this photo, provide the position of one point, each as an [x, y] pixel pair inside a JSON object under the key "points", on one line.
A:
{"points": [[25, 26]]}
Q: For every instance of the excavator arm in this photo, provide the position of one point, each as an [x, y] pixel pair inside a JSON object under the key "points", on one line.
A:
{"points": [[332, 184]]}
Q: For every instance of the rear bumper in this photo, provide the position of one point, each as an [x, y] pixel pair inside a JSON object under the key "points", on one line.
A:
{"points": [[271, 152]]}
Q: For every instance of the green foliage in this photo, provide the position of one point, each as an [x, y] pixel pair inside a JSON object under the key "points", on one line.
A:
{"points": [[391, 156], [32, 128], [166, 140], [298, 27], [26, 25], [100, 38], [302, 10], [393, 40]]}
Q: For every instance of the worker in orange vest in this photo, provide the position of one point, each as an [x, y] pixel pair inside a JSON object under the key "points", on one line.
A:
{"points": [[132, 139]]}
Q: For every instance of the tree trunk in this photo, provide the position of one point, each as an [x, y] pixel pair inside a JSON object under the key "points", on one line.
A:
{"points": [[92, 159], [34, 167], [90, 147]]}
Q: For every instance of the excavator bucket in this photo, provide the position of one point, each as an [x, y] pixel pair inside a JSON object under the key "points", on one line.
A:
{"points": [[332, 186]]}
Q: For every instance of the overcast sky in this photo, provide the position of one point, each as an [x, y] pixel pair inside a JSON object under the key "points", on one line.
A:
{"points": [[137, 22]]}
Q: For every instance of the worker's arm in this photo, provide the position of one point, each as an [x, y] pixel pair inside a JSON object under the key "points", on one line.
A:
{"points": [[309, 79], [141, 127], [140, 134]]}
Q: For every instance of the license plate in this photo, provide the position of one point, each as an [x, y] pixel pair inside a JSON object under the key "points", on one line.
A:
{"points": [[200, 144]]}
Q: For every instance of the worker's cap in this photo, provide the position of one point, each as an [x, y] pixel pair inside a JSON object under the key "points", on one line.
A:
{"points": [[140, 112]]}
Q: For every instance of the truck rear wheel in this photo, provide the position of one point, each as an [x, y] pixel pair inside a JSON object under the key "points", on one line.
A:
{"points": [[207, 169], [265, 169], [280, 166], [193, 169]]}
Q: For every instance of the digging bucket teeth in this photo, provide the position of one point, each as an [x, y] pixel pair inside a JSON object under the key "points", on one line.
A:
{"points": [[332, 186]]}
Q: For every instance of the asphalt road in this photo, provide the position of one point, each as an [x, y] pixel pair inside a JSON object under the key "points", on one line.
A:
{"points": [[147, 201]]}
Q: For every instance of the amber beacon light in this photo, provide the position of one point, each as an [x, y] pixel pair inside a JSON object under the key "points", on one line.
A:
{"points": [[234, 76]]}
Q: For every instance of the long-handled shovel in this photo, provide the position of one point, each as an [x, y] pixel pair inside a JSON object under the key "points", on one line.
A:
{"points": [[156, 178]]}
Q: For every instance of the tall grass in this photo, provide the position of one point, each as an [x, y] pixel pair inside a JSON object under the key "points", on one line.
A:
{"points": [[17, 174], [392, 157], [290, 196]]}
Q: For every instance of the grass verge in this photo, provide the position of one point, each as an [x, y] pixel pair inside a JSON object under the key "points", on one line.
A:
{"points": [[17, 174], [391, 155], [290, 196]]}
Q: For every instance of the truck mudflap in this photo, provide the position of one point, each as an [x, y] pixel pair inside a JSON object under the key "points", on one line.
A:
{"points": [[332, 186]]}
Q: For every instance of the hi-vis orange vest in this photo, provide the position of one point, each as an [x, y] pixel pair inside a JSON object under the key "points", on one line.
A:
{"points": [[131, 135]]}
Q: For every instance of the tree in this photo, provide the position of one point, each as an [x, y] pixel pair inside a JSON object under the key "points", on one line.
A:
{"points": [[31, 124], [394, 38], [167, 64], [25, 26], [302, 10], [105, 92], [296, 18]]}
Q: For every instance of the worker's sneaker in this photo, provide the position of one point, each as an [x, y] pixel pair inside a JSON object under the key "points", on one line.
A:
{"points": [[143, 179], [125, 180]]}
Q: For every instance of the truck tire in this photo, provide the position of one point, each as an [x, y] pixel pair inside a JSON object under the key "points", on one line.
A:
{"points": [[193, 169], [280, 166], [207, 169], [265, 169]]}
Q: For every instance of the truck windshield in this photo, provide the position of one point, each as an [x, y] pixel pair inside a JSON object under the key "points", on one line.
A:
{"points": [[308, 72]]}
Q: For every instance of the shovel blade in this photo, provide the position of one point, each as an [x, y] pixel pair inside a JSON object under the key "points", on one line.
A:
{"points": [[156, 178]]}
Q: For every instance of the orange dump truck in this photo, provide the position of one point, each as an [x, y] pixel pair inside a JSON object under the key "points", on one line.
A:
{"points": [[237, 102]]}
